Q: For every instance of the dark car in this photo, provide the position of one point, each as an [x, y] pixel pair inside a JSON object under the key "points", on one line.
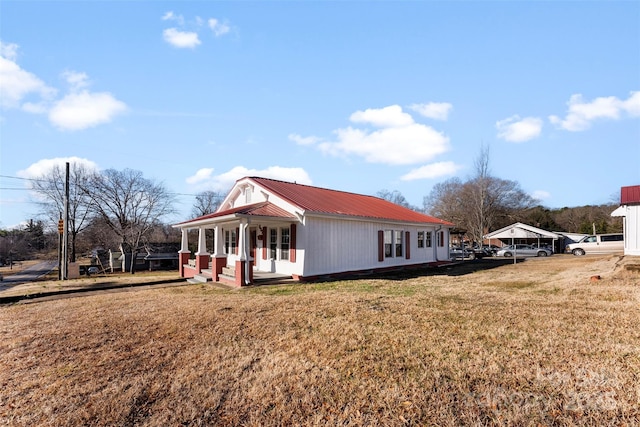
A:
{"points": [[457, 252], [490, 250]]}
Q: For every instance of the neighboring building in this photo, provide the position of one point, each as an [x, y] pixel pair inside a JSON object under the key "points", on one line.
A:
{"points": [[153, 256], [520, 233], [305, 232], [630, 211]]}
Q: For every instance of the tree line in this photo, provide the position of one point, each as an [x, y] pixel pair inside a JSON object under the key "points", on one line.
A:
{"points": [[115, 209], [484, 203]]}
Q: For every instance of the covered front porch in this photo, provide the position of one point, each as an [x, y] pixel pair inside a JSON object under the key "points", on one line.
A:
{"points": [[245, 249]]}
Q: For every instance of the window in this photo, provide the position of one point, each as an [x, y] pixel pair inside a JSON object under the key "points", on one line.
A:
{"points": [[424, 239], [387, 243], [230, 241], [398, 243], [612, 238], [273, 242], [284, 243]]}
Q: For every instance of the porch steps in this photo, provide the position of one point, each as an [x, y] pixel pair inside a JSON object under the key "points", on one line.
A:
{"points": [[205, 276]]}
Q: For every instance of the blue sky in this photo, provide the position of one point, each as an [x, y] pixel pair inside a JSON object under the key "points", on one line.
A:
{"points": [[357, 96]]}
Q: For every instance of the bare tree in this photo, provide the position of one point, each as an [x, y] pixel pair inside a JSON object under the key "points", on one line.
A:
{"points": [[50, 188], [445, 201], [206, 202], [480, 204], [130, 205], [395, 197]]}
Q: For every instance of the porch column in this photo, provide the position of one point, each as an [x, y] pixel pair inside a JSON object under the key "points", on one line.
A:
{"points": [[184, 253], [244, 270], [202, 256], [219, 258]]}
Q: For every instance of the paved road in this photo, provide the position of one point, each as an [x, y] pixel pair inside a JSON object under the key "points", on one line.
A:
{"points": [[29, 274]]}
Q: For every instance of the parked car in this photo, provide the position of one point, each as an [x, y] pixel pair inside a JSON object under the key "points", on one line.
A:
{"points": [[523, 251], [456, 252], [597, 244], [490, 249], [93, 270]]}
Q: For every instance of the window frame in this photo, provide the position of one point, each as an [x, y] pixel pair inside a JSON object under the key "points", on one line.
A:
{"points": [[285, 243]]}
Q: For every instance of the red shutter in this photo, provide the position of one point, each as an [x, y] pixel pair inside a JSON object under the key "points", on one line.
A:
{"points": [[380, 245], [407, 243], [265, 242], [292, 244]]}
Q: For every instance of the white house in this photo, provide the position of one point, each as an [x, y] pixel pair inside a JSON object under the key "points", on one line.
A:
{"points": [[630, 210], [305, 232]]}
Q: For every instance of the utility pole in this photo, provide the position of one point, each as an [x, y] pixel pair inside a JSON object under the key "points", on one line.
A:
{"points": [[60, 231], [65, 232]]}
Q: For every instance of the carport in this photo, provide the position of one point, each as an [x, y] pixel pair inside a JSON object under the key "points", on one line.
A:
{"points": [[523, 233]]}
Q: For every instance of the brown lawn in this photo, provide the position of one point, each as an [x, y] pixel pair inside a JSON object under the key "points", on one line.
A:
{"points": [[537, 343]]}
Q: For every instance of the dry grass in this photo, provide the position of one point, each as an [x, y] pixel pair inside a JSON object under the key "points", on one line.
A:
{"points": [[537, 343], [50, 283]]}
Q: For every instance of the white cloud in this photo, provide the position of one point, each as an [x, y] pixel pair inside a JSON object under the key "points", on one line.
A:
{"points": [[433, 110], [515, 129], [434, 170], [45, 166], [201, 175], [411, 144], [218, 28], [303, 140], [17, 84], [632, 104], [82, 110], [540, 195], [76, 79], [225, 181], [181, 39], [581, 114], [399, 140], [391, 116], [170, 16], [9, 50]]}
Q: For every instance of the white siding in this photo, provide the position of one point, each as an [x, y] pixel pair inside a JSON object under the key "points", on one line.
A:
{"points": [[632, 230], [332, 246]]}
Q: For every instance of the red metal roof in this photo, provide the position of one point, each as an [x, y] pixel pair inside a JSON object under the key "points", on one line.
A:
{"points": [[325, 201], [630, 195], [256, 209]]}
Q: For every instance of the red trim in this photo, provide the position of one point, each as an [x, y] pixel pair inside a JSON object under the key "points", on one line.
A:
{"points": [[184, 259], [263, 238], [380, 245], [292, 244], [253, 238], [217, 263], [630, 195], [240, 273], [202, 262], [407, 243]]}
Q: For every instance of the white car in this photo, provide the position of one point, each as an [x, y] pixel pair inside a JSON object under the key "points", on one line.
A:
{"points": [[523, 251], [597, 244]]}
